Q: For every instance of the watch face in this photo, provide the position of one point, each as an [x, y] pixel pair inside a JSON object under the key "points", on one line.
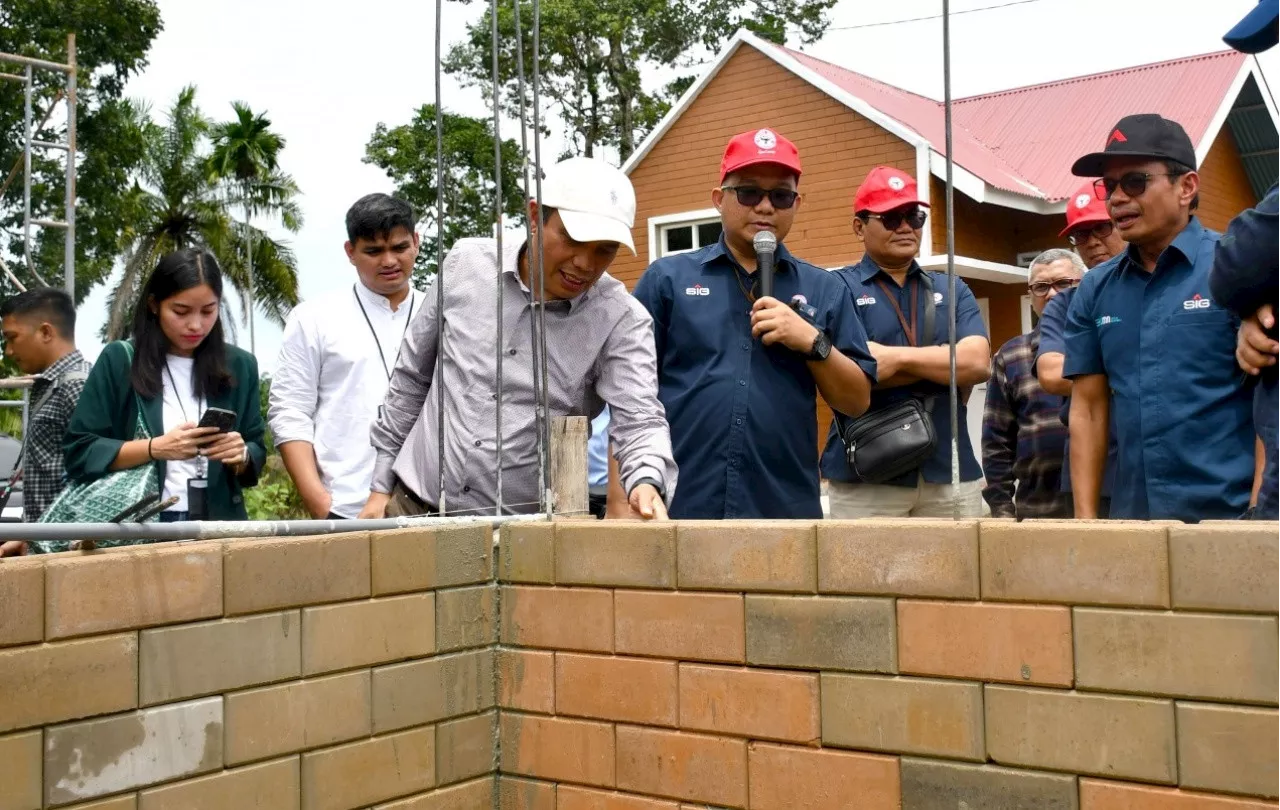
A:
{"points": [[821, 347]]}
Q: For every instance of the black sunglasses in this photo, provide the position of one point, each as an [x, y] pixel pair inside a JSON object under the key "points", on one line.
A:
{"points": [[1081, 235], [751, 196], [893, 220], [1133, 184], [1041, 288]]}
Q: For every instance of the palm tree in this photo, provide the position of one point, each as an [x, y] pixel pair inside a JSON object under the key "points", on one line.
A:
{"points": [[176, 202], [246, 152]]}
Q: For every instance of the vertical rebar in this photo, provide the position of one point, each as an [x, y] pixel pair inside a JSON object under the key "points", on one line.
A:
{"points": [[69, 262], [497, 219], [544, 417], [440, 319], [27, 135], [951, 263]]}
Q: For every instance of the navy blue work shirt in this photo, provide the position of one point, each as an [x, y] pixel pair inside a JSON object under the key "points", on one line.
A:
{"points": [[743, 416], [1182, 407], [881, 323], [1244, 278], [1053, 338]]}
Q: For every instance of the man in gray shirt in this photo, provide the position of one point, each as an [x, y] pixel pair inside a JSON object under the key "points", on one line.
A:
{"points": [[599, 346]]}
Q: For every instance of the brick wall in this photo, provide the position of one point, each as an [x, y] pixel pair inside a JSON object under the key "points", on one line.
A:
{"points": [[883, 664], [922, 665], [311, 674]]}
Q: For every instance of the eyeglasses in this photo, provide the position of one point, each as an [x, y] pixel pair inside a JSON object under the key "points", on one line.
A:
{"points": [[1133, 184], [751, 196], [893, 220], [1041, 288], [1081, 235]]}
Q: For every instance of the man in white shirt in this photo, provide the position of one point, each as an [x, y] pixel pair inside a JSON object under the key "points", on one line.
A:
{"points": [[338, 354]]}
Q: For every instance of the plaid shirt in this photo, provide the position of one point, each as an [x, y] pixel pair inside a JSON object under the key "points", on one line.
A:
{"points": [[44, 474], [1023, 438]]}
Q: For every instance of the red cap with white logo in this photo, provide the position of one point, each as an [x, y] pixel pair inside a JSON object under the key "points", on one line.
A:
{"points": [[759, 146], [886, 189], [1084, 208]]}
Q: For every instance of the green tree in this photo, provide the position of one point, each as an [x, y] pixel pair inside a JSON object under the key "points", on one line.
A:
{"points": [[176, 202], [407, 154], [112, 40], [595, 56], [246, 153]]}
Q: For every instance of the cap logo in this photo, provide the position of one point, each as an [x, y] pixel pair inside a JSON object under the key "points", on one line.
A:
{"points": [[613, 196], [766, 140], [1117, 137], [897, 183], [1082, 201]]}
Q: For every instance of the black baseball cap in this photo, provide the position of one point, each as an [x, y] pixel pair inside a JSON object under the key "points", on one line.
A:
{"points": [[1146, 135], [1258, 30]]}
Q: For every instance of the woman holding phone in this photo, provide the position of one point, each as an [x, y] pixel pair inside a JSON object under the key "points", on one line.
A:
{"points": [[179, 367]]}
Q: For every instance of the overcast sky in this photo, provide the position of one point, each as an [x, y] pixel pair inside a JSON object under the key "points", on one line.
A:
{"points": [[327, 77]]}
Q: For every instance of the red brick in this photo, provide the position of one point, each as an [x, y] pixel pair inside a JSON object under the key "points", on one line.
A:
{"points": [[679, 765], [694, 626], [557, 749], [986, 642], [750, 703], [576, 798], [736, 556], [558, 618], [634, 690], [527, 681], [1096, 794], [787, 778]]}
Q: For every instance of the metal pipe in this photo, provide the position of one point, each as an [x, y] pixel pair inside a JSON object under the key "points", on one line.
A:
{"points": [[50, 145], [951, 262], [234, 529], [69, 261], [15, 77], [49, 223], [26, 172], [497, 218], [544, 436], [441, 504], [15, 59]]}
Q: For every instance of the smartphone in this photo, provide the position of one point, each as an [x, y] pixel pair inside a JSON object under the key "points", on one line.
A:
{"points": [[223, 420]]}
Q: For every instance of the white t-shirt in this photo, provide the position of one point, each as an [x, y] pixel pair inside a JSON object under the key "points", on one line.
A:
{"points": [[180, 405]]}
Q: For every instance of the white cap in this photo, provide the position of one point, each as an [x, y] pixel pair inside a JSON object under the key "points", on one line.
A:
{"points": [[595, 200]]}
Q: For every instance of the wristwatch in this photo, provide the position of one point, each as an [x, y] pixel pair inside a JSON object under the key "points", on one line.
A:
{"points": [[821, 348]]}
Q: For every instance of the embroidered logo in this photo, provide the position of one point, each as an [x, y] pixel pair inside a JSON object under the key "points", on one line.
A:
{"points": [[937, 298], [766, 140], [865, 300], [896, 183], [697, 289], [1196, 302], [1106, 320], [799, 300], [1082, 201]]}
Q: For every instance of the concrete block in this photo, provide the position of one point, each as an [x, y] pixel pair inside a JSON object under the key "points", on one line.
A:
{"points": [[527, 681], [465, 618], [421, 559], [785, 777], [1096, 794], [1227, 748], [599, 687], [22, 594], [358, 634], [420, 692], [759, 704], [918, 557], [275, 720], [269, 786], [464, 748], [526, 553], [474, 795], [696, 626], [616, 554], [20, 769], [1225, 567], [742, 556], [693, 767], [828, 632], [362, 773], [558, 749], [290, 572], [50, 683], [903, 715], [932, 785], [986, 641]]}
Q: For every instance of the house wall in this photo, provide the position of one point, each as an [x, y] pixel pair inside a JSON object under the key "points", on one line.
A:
{"points": [[1224, 186], [916, 664]]}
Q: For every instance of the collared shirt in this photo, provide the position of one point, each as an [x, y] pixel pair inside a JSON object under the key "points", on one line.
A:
{"points": [[1182, 407], [1053, 331], [1244, 278], [598, 451], [743, 416], [599, 350], [43, 471], [1023, 438], [330, 378], [882, 325]]}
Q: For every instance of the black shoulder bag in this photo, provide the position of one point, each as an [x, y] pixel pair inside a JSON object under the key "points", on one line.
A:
{"points": [[887, 442]]}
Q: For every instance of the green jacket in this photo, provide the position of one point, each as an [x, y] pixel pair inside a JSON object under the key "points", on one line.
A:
{"points": [[106, 414]]}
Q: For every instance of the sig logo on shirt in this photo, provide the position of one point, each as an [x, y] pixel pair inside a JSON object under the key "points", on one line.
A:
{"points": [[1196, 302], [937, 298], [865, 301], [1107, 320], [697, 289]]}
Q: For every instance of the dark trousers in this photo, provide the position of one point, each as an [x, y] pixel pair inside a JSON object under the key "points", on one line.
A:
{"points": [[597, 500]]}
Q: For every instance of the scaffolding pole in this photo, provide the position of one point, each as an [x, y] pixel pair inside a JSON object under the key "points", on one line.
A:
{"points": [[30, 142], [951, 263]]}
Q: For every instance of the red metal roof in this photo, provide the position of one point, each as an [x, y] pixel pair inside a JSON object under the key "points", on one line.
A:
{"points": [[1024, 140]]}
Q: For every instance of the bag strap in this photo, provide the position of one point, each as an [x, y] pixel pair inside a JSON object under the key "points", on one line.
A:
{"points": [[908, 328], [930, 324]]}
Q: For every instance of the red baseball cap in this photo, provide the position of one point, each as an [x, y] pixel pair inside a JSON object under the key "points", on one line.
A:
{"points": [[759, 146], [886, 189], [1084, 208]]}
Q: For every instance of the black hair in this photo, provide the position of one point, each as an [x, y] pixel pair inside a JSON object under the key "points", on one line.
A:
{"points": [[177, 272], [1176, 170], [545, 213], [54, 306], [377, 215]]}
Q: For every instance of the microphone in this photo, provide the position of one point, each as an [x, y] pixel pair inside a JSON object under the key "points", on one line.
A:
{"points": [[765, 244]]}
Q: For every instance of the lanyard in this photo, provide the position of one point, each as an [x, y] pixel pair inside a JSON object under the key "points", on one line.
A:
{"points": [[202, 463], [909, 329], [408, 320]]}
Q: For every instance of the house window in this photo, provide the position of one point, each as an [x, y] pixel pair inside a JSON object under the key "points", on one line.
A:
{"points": [[682, 237]]}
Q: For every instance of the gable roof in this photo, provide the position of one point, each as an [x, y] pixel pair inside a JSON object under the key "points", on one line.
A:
{"points": [[999, 157]]}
